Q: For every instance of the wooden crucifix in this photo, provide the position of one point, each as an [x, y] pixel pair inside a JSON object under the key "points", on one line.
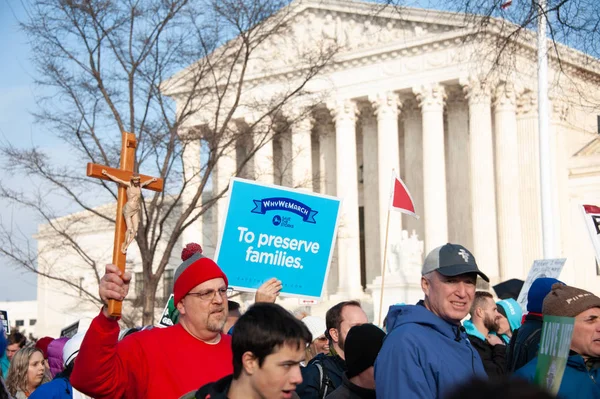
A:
{"points": [[128, 202]]}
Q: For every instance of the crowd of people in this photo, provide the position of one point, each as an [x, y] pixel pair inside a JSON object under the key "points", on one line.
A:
{"points": [[455, 343]]}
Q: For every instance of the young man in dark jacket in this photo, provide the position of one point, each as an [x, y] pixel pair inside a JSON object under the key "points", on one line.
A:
{"points": [[324, 373], [484, 321], [526, 339], [362, 346], [268, 345]]}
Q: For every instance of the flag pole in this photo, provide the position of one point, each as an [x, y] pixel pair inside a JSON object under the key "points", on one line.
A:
{"points": [[385, 250]]}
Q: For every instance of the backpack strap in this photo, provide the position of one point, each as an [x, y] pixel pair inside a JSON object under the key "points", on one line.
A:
{"points": [[325, 382]]}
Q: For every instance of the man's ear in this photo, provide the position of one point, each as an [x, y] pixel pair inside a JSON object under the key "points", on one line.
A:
{"points": [[335, 336], [479, 312], [425, 285], [249, 363], [181, 307]]}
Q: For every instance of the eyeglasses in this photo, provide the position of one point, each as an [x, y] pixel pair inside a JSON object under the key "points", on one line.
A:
{"points": [[210, 294]]}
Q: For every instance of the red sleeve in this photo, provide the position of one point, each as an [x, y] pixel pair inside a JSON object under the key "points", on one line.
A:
{"points": [[105, 368]]}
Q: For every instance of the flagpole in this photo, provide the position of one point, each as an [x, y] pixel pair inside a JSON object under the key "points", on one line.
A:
{"points": [[385, 250], [546, 181]]}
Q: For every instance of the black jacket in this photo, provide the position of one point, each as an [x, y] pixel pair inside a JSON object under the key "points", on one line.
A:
{"points": [[525, 342], [334, 368], [349, 390], [492, 356], [219, 389]]}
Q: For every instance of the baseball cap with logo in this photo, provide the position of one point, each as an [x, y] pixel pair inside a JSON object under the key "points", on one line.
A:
{"points": [[451, 260]]}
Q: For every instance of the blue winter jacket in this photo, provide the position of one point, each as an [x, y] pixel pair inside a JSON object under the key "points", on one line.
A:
{"points": [[578, 382], [423, 356], [58, 388]]}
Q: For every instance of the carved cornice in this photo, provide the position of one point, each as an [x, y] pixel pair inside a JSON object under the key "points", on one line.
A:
{"points": [[370, 33]]}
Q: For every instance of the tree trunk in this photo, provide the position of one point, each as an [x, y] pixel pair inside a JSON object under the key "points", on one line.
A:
{"points": [[149, 301]]}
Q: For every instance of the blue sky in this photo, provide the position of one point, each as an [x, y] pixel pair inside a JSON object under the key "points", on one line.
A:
{"points": [[16, 126]]}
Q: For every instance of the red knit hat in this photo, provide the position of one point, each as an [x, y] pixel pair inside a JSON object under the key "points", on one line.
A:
{"points": [[195, 270], [42, 344]]}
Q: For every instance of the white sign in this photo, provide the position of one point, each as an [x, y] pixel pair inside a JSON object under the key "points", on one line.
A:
{"points": [[541, 268], [592, 221], [5, 323]]}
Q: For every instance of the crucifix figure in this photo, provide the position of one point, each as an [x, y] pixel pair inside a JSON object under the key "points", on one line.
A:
{"points": [[131, 210], [128, 202]]}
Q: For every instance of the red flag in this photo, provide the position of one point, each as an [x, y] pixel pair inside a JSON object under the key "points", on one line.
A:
{"points": [[506, 4], [400, 199]]}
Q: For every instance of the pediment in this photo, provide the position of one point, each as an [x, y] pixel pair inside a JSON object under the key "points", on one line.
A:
{"points": [[358, 26], [590, 149], [354, 28]]}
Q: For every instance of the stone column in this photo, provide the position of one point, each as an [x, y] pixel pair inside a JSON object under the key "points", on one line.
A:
{"points": [[325, 131], [483, 188], [460, 222], [413, 163], [302, 175], [373, 254], [262, 138], [431, 100], [507, 177], [224, 170], [386, 106], [529, 179], [344, 115], [191, 179]]}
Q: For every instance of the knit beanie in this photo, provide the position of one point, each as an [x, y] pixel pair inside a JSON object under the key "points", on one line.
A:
{"points": [[194, 270], [538, 291], [362, 347], [568, 301], [315, 325], [511, 309], [42, 344]]}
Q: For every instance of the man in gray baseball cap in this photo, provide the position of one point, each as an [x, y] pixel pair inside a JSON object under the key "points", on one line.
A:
{"points": [[427, 352]]}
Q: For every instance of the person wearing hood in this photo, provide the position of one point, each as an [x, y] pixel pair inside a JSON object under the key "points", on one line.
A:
{"points": [[581, 378], [526, 339], [427, 353], [481, 329], [511, 314], [55, 355]]}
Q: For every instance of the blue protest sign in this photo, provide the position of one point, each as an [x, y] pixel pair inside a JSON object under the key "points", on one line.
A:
{"points": [[273, 231]]}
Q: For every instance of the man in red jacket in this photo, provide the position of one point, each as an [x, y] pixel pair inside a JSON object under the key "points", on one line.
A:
{"points": [[161, 362]]}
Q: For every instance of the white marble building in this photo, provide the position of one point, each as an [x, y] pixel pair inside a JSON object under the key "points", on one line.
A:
{"points": [[405, 92]]}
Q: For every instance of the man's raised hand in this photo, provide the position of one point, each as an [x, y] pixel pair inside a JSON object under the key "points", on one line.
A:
{"points": [[113, 285], [269, 291]]}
